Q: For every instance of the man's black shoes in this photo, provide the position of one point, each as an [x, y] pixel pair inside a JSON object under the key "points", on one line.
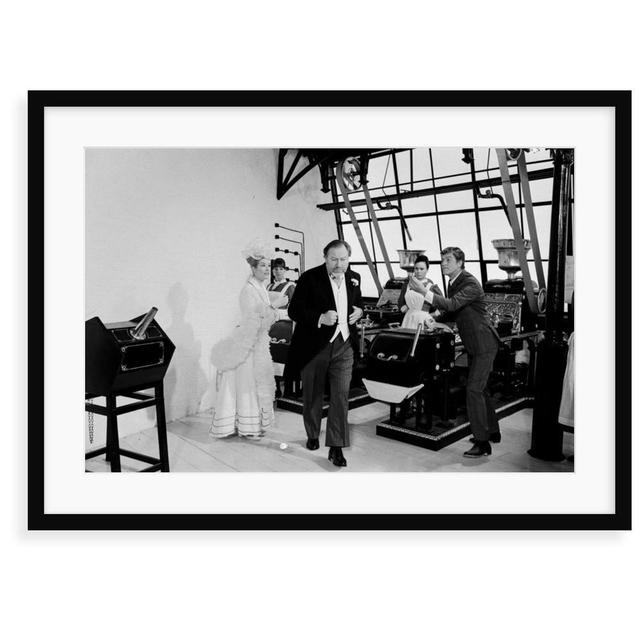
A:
{"points": [[493, 437], [335, 456], [478, 450], [313, 444]]}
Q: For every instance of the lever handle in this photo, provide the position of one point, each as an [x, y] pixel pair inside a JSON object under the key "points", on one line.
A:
{"points": [[415, 339]]}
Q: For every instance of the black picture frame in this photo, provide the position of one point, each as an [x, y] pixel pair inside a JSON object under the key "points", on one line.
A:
{"points": [[39, 101]]}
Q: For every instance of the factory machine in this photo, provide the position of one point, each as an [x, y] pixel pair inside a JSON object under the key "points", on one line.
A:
{"points": [[386, 310], [386, 313], [420, 373], [515, 303], [410, 370], [514, 311], [121, 360], [429, 377], [507, 302]]}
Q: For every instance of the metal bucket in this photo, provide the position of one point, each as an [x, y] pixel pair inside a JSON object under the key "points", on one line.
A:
{"points": [[508, 255], [408, 258]]}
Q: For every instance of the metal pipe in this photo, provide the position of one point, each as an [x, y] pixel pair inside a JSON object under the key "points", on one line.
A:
{"points": [[401, 216], [415, 339], [140, 331]]}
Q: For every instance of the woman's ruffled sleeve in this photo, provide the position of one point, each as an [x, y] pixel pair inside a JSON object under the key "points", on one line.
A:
{"points": [[250, 302], [256, 317]]}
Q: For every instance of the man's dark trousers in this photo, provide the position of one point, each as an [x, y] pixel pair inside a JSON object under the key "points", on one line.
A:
{"points": [[480, 409], [336, 361]]}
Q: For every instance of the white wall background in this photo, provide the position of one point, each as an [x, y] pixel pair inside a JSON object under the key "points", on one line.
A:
{"points": [[532, 585], [165, 228]]}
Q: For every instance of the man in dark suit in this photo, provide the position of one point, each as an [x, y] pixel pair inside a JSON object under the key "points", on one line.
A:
{"points": [[325, 306], [464, 304]]}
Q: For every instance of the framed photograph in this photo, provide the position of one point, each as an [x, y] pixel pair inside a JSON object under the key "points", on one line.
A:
{"points": [[329, 310]]}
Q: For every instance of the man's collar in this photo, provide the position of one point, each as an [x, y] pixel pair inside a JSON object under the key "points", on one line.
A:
{"points": [[455, 277]]}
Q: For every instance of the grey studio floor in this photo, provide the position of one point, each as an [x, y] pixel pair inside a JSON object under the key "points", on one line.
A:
{"points": [[191, 449]]}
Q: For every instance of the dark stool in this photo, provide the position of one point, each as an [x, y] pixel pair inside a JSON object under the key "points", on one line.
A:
{"points": [[112, 449]]}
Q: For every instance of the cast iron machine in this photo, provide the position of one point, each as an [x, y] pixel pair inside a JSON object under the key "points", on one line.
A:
{"points": [[386, 309], [403, 363], [386, 313], [506, 299], [122, 359], [515, 304]]}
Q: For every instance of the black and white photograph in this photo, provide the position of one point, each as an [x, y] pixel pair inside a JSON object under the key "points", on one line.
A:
{"points": [[333, 334], [317, 320], [330, 309]]}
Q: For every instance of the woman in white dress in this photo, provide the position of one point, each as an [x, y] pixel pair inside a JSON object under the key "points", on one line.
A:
{"points": [[245, 383], [413, 304], [415, 314]]}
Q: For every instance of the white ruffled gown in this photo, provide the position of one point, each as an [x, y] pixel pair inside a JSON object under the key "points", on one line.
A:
{"points": [[245, 385]]}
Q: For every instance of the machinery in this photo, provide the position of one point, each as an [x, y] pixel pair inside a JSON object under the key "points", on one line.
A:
{"points": [[408, 357], [514, 304], [507, 302], [414, 373], [387, 309], [409, 370], [125, 355], [121, 360]]}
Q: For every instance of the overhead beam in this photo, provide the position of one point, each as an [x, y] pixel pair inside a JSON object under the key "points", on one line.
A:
{"points": [[286, 182], [320, 158], [540, 174]]}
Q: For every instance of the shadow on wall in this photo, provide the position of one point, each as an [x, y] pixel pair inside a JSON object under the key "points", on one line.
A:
{"points": [[185, 383]]}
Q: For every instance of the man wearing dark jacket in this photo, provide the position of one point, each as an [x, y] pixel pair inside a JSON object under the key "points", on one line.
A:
{"points": [[325, 306], [464, 304]]}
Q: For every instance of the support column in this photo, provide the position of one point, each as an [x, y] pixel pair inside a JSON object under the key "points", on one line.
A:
{"points": [[546, 433], [163, 446], [113, 440]]}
